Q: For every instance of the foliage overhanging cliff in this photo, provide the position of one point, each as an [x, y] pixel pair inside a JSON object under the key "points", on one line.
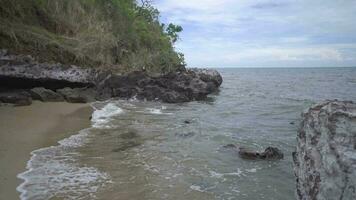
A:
{"points": [[122, 35]]}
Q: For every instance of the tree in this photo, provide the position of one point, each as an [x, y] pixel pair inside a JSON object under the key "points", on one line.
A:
{"points": [[172, 32], [147, 11]]}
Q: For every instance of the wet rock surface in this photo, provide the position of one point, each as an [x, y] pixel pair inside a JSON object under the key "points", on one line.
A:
{"points": [[325, 157], [270, 153], [79, 85]]}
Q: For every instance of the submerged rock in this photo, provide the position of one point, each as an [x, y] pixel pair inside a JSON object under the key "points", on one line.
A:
{"points": [[185, 135], [123, 146], [270, 153], [187, 122], [45, 95], [16, 97], [325, 157], [230, 146], [131, 134]]}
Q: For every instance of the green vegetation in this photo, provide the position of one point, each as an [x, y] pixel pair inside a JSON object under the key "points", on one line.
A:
{"points": [[121, 35]]}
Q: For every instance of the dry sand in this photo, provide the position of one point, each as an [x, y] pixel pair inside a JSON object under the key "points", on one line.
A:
{"points": [[24, 129]]}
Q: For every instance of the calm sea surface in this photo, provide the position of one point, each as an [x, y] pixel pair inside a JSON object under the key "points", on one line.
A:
{"points": [[145, 150]]}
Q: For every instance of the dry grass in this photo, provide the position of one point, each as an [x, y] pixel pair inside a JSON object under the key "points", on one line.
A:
{"points": [[84, 33]]}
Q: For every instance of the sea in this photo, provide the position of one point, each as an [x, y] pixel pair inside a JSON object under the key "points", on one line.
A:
{"points": [[151, 150]]}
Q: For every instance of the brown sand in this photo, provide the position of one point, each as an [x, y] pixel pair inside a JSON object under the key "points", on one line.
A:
{"points": [[24, 129]]}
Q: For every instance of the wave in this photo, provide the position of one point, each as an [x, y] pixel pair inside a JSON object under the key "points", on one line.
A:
{"points": [[102, 117], [55, 171]]}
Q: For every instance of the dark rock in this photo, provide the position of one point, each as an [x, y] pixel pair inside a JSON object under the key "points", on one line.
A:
{"points": [[3, 52], [185, 135], [16, 97], [230, 146], [22, 72], [270, 153], [208, 75], [171, 88], [45, 95], [187, 122], [325, 161], [78, 95]]}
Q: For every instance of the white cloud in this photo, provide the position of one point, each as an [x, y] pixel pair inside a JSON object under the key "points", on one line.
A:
{"points": [[236, 32]]}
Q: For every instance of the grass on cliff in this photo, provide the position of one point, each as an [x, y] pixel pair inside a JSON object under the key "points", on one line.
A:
{"points": [[121, 35]]}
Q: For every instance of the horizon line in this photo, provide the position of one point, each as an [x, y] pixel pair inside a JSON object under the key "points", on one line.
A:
{"points": [[271, 67]]}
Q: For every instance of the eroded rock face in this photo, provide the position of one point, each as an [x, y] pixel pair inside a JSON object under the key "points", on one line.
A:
{"points": [[325, 157], [25, 67], [80, 85], [208, 75], [171, 88]]}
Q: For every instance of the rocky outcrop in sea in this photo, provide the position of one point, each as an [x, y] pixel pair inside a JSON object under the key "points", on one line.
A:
{"points": [[325, 157], [22, 79]]}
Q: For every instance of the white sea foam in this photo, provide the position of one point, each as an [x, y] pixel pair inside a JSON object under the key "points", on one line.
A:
{"points": [[101, 117], [237, 173], [197, 188], [253, 170], [54, 171], [157, 111], [215, 174], [154, 111]]}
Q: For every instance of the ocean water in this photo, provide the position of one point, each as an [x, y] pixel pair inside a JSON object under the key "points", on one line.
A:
{"points": [[146, 150]]}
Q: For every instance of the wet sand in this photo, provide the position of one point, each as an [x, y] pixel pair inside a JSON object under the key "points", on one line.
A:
{"points": [[24, 129]]}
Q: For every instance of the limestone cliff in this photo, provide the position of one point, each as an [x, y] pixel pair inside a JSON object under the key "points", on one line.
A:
{"points": [[325, 158]]}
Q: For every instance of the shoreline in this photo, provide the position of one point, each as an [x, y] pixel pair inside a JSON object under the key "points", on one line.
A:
{"points": [[28, 128]]}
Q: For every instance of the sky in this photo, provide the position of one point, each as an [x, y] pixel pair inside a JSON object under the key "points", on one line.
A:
{"points": [[264, 33]]}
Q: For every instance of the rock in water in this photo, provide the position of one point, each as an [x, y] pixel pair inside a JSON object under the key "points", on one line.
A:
{"points": [[270, 153], [325, 157], [208, 75], [45, 95]]}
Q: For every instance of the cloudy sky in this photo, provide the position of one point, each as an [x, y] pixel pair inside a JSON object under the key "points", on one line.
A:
{"points": [[264, 33]]}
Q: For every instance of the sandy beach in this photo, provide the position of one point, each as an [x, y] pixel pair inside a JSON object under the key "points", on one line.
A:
{"points": [[24, 129]]}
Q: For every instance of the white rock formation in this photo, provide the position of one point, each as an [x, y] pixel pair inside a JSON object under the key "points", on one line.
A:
{"points": [[325, 158]]}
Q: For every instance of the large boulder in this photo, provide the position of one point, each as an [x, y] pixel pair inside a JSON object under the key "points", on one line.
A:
{"points": [[15, 97], [45, 95], [325, 157], [208, 75], [78, 95]]}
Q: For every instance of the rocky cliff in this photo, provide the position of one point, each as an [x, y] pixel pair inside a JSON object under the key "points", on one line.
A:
{"points": [[325, 158], [23, 79]]}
